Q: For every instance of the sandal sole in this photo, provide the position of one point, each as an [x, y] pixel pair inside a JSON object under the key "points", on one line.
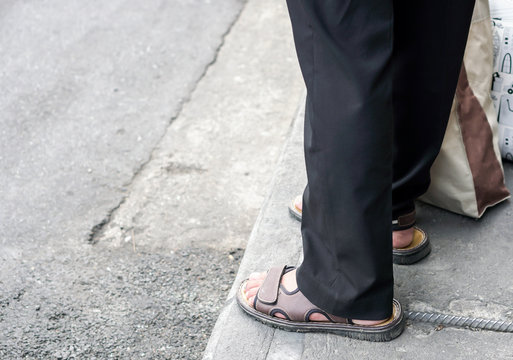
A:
{"points": [[376, 333]]}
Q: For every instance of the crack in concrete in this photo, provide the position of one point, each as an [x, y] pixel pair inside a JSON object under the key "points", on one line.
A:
{"points": [[271, 341], [97, 229], [180, 168]]}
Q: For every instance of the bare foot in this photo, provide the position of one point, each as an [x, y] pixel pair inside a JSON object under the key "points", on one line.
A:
{"points": [[400, 239], [289, 282]]}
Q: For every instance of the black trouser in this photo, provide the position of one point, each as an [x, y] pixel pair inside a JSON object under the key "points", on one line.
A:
{"points": [[380, 78]]}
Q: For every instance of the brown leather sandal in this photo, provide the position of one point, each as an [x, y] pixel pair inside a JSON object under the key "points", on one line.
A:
{"points": [[272, 298], [416, 251]]}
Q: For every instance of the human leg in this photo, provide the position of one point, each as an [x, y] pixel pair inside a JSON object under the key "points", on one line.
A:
{"points": [[400, 238], [321, 144], [429, 42], [345, 49]]}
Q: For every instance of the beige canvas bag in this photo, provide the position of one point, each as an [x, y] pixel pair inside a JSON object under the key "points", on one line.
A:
{"points": [[467, 176]]}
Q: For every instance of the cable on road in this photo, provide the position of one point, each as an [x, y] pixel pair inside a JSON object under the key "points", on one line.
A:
{"points": [[460, 321]]}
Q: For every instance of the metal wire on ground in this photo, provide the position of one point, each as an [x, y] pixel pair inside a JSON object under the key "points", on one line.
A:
{"points": [[460, 321]]}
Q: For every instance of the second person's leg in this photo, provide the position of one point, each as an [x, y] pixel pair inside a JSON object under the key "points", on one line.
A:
{"points": [[429, 42]]}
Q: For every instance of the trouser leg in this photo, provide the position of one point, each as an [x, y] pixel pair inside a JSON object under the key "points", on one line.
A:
{"points": [[429, 42], [344, 49]]}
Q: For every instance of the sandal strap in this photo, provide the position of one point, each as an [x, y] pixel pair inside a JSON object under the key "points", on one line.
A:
{"points": [[268, 292], [272, 298], [404, 222]]}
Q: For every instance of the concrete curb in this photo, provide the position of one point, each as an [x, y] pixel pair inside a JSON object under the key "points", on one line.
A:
{"points": [[273, 224], [466, 274], [451, 281]]}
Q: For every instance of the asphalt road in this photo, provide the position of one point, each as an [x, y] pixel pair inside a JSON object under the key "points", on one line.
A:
{"points": [[88, 90], [138, 140]]}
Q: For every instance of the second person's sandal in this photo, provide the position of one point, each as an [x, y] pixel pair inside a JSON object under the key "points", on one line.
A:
{"points": [[419, 248]]}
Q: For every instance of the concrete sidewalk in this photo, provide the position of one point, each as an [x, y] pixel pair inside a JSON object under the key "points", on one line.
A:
{"points": [[468, 273]]}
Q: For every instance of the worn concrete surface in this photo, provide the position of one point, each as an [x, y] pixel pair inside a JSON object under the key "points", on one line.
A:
{"points": [[207, 178], [89, 89], [126, 195], [469, 273]]}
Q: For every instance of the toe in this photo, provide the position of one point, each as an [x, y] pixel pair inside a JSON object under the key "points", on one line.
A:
{"points": [[298, 203], [251, 292], [250, 284], [257, 276], [254, 282]]}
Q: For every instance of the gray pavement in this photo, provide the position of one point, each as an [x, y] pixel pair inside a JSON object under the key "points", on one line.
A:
{"points": [[469, 273], [89, 89], [137, 144]]}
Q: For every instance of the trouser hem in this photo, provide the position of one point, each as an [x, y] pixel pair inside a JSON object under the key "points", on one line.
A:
{"points": [[376, 306]]}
